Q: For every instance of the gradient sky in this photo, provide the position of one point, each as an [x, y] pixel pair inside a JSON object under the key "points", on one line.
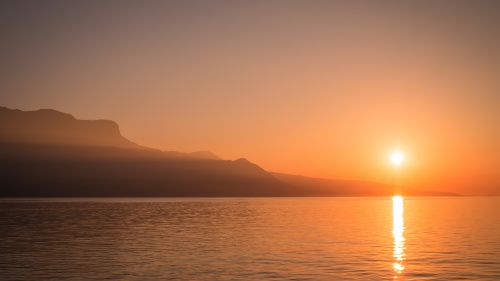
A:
{"points": [[318, 88]]}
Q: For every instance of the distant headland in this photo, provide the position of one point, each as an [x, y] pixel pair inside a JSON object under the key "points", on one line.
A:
{"points": [[47, 153]]}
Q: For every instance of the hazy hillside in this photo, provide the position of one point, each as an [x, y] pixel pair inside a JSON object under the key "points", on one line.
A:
{"points": [[54, 127], [331, 187], [110, 172], [49, 153], [51, 127]]}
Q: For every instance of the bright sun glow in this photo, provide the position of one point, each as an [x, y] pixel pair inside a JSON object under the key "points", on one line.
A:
{"points": [[397, 158]]}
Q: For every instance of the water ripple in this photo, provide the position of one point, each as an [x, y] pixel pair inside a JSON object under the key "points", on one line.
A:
{"points": [[249, 239]]}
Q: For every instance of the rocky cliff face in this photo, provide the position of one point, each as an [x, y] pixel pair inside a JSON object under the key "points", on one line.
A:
{"points": [[48, 126]]}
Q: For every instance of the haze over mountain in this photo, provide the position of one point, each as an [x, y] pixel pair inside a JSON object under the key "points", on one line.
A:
{"points": [[47, 153], [351, 188], [47, 126]]}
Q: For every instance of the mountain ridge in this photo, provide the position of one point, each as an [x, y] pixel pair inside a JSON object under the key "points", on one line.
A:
{"points": [[352, 188], [55, 127], [47, 153]]}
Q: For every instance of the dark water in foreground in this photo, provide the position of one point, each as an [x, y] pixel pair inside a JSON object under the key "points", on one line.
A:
{"points": [[251, 239]]}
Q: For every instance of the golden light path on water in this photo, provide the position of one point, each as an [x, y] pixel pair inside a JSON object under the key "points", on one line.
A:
{"points": [[397, 232]]}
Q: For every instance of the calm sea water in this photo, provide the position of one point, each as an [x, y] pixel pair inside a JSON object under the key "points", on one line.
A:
{"points": [[251, 239]]}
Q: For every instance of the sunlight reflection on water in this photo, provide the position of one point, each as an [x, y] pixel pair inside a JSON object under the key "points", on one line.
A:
{"points": [[397, 232], [251, 239]]}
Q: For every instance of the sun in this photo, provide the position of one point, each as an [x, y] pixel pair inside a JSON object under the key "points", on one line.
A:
{"points": [[397, 158]]}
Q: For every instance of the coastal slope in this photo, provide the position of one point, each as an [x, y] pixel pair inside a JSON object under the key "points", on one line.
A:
{"points": [[47, 153]]}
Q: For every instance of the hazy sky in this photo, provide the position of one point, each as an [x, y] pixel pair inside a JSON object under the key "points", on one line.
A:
{"points": [[319, 88]]}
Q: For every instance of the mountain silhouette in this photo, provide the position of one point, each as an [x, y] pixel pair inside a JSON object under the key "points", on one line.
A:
{"points": [[351, 188], [53, 127], [47, 153]]}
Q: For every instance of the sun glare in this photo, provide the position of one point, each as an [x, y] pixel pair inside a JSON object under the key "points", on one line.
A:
{"points": [[397, 158], [397, 233]]}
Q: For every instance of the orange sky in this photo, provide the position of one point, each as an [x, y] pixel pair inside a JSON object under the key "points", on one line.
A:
{"points": [[319, 88]]}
